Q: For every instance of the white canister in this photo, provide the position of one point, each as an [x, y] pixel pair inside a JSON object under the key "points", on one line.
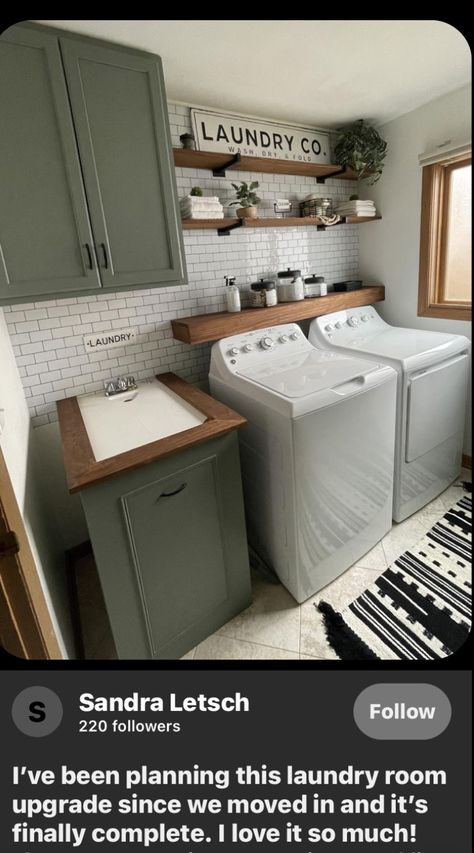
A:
{"points": [[290, 286]]}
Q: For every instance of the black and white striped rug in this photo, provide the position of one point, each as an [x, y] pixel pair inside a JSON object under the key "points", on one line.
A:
{"points": [[420, 607]]}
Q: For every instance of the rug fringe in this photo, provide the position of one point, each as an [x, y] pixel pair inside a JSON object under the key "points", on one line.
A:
{"points": [[341, 638]]}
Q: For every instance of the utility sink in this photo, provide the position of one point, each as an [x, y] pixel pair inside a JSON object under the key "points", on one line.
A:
{"points": [[131, 419]]}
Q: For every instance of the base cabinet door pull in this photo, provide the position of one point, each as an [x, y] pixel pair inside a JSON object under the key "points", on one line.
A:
{"points": [[171, 494]]}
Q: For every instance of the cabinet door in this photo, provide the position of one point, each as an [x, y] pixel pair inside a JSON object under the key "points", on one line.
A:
{"points": [[176, 544], [46, 241], [120, 116]]}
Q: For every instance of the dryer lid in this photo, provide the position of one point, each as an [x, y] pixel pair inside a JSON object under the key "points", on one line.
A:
{"points": [[307, 373], [391, 342]]}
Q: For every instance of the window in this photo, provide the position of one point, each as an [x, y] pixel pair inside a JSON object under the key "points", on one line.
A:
{"points": [[445, 240]]}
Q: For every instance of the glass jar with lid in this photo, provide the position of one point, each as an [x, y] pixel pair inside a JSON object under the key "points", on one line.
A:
{"points": [[290, 286], [315, 285], [263, 293]]}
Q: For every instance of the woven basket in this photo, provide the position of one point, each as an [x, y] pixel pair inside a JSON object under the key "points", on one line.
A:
{"points": [[312, 207]]}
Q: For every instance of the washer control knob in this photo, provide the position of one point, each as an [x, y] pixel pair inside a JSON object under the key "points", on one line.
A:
{"points": [[233, 351], [329, 327], [267, 343], [283, 339], [365, 317], [339, 325], [294, 336], [353, 321], [248, 348]]}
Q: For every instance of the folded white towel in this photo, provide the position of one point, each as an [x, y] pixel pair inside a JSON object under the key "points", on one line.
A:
{"points": [[347, 208], [200, 199], [364, 210], [201, 214], [355, 203], [208, 207], [364, 213], [355, 206]]}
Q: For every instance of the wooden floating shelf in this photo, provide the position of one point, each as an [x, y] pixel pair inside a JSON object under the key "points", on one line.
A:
{"points": [[231, 224], [221, 324], [218, 163], [210, 224]]}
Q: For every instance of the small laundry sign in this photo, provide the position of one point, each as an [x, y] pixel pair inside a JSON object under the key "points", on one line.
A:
{"points": [[111, 338], [215, 131]]}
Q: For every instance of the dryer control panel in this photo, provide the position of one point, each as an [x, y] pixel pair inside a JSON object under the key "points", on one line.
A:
{"points": [[344, 327], [258, 347]]}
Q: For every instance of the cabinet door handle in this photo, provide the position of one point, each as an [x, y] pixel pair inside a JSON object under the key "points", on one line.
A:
{"points": [[176, 491], [104, 253], [90, 262]]}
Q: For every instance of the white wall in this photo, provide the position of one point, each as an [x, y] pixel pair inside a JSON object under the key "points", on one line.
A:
{"points": [[389, 249], [19, 449]]}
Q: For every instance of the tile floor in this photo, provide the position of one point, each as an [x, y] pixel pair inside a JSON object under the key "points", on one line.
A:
{"points": [[275, 627]]}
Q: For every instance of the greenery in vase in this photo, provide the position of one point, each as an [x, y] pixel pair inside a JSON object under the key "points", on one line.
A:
{"points": [[361, 148], [246, 196]]}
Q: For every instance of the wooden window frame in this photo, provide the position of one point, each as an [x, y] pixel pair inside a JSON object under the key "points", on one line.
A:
{"points": [[433, 242]]}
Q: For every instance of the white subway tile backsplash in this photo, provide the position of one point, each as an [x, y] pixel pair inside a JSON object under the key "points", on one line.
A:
{"points": [[36, 314], [47, 336]]}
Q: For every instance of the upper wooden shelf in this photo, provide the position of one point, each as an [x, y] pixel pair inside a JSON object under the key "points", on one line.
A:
{"points": [[221, 324], [219, 163], [231, 223]]}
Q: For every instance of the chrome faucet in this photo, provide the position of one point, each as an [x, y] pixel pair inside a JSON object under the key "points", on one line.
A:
{"points": [[119, 386]]}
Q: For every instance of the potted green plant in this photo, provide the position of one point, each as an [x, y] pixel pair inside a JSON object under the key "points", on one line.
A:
{"points": [[196, 191], [247, 199], [361, 148]]}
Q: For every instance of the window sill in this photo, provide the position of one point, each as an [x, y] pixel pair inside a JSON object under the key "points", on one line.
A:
{"points": [[446, 312]]}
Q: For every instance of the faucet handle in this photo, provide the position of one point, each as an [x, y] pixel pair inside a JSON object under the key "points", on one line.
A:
{"points": [[110, 387], [122, 383], [131, 382]]}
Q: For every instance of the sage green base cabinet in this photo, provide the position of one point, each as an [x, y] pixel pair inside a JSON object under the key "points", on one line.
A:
{"points": [[88, 199], [171, 551]]}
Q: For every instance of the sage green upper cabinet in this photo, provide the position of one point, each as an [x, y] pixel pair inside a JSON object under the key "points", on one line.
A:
{"points": [[46, 238], [88, 199], [121, 123]]}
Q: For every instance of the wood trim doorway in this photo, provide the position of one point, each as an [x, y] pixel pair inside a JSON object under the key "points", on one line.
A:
{"points": [[26, 629]]}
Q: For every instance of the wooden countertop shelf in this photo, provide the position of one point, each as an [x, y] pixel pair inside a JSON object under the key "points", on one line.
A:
{"points": [[82, 468], [221, 324], [223, 226], [219, 163]]}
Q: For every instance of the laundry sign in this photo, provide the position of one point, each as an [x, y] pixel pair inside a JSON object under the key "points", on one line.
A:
{"points": [[107, 340], [232, 134]]}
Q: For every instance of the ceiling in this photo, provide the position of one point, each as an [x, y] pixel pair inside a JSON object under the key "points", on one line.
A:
{"points": [[321, 73]]}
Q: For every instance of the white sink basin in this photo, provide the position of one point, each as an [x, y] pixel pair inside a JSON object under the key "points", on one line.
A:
{"points": [[117, 424]]}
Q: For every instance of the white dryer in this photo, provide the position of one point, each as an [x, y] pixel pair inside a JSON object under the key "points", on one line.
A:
{"points": [[317, 453], [432, 370]]}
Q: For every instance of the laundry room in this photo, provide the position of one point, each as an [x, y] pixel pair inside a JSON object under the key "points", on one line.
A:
{"points": [[256, 234]]}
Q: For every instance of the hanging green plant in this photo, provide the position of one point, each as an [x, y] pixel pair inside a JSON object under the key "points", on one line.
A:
{"points": [[361, 148]]}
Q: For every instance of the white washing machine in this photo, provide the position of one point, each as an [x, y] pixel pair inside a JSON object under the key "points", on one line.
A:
{"points": [[432, 370], [316, 454]]}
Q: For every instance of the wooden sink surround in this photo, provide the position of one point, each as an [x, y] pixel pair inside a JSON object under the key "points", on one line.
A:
{"points": [[82, 469], [221, 324]]}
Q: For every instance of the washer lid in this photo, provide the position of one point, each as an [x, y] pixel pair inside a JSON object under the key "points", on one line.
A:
{"points": [[399, 343], [307, 373]]}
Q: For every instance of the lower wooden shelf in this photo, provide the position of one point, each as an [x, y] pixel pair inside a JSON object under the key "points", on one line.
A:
{"points": [[230, 223], [221, 324]]}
